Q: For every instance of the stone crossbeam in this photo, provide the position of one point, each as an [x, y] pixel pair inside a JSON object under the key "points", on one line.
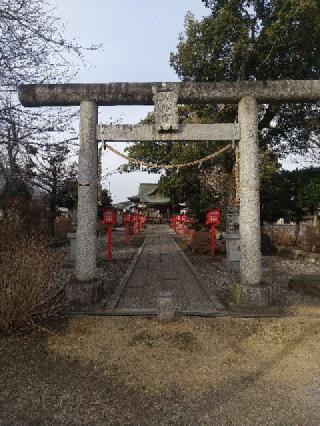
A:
{"points": [[34, 95], [166, 97], [186, 132]]}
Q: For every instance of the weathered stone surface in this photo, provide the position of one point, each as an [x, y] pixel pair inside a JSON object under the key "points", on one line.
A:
{"points": [[166, 109], [72, 236], [306, 283], [186, 132], [250, 233], [84, 293], [167, 309], [233, 247], [87, 194], [256, 295], [233, 239], [32, 95]]}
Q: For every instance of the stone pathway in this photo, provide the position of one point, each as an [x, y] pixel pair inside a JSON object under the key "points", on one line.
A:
{"points": [[162, 266]]}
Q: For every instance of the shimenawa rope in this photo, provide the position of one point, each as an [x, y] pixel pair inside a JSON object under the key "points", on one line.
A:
{"points": [[168, 166]]}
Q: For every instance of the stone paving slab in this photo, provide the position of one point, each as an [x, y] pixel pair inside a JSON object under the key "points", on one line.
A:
{"points": [[162, 266]]}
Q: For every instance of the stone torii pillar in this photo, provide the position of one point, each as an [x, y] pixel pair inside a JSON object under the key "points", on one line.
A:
{"points": [[86, 289], [87, 193], [250, 264], [248, 94], [250, 230]]}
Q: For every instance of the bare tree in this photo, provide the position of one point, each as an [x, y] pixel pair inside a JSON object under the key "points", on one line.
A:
{"points": [[49, 173], [33, 49]]}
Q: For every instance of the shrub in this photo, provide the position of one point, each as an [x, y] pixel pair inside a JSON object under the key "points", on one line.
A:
{"points": [[310, 241], [200, 242], [63, 225], [236, 294], [282, 237], [267, 245], [30, 289]]}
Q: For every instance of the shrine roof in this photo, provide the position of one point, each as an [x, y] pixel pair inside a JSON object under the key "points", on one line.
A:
{"points": [[148, 193]]}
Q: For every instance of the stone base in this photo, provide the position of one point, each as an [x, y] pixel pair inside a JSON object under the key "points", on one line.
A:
{"points": [[166, 307], [73, 242], [80, 293], [233, 266], [256, 295]]}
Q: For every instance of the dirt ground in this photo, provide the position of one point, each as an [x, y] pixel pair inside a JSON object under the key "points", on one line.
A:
{"points": [[193, 371], [137, 371]]}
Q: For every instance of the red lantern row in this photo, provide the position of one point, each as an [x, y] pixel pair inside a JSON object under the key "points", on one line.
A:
{"points": [[179, 222], [212, 218], [138, 221], [109, 218]]}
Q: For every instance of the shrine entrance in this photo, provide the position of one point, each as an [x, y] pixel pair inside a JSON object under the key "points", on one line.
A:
{"points": [[166, 97]]}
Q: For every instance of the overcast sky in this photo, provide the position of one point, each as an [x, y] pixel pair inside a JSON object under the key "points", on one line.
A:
{"points": [[137, 38]]}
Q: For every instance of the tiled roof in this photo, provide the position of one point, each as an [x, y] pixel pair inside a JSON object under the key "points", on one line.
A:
{"points": [[148, 194]]}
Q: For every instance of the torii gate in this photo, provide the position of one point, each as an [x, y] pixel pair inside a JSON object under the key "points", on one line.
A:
{"points": [[166, 97]]}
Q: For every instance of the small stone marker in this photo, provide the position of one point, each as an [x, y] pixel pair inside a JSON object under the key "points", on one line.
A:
{"points": [[233, 239], [166, 306], [72, 236]]}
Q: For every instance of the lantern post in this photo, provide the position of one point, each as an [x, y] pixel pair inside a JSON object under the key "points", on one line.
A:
{"points": [[127, 220], [134, 220], [109, 219], [183, 219], [213, 219]]}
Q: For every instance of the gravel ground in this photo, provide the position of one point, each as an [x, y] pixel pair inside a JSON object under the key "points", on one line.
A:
{"points": [[277, 272], [111, 271]]}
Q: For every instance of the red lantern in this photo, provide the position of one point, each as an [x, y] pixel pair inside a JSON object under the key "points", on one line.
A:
{"points": [[134, 220], [174, 222], [190, 221], [213, 219], [109, 218], [183, 219], [127, 221], [141, 220]]}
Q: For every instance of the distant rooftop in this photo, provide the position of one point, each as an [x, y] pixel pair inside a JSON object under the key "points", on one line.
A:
{"points": [[147, 193]]}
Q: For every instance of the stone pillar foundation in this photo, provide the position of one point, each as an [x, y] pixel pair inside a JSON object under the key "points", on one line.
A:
{"points": [[256, 295], [167, 308], [84, 293]]}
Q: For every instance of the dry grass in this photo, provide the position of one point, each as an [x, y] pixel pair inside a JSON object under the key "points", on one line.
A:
{"points": [[236, 294], [190, 355], [63, 225], [29, 284], [236, 361], [308, 242], [136, 371]]}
